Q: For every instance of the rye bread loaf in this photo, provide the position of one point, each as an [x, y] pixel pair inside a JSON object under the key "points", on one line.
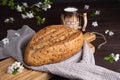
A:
{"points": [[53, 44]]}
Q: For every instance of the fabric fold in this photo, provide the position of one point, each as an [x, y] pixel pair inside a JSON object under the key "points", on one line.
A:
{"points": [[88, 56]]}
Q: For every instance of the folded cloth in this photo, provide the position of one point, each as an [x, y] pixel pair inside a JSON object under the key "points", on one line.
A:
{"points": [[81, 66]]}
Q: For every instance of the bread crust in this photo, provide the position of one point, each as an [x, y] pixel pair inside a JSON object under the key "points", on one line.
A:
{"points": [[53, 44]]}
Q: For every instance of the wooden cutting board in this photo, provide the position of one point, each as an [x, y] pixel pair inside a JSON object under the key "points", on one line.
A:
{"points": [[27, 74]]}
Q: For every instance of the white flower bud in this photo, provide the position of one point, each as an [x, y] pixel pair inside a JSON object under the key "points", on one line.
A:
{"points": [[38, 4], [49, 6], [106, 31], [10, 69], [111, 33], [86, 7], [94, 23], [19, 8], [12, 19], [30, 15], [25, 4], [20, 69], [97, 12], [6, 20], [112, 54], [117, 55], [23, 16], [45, 9], [116, 58]]}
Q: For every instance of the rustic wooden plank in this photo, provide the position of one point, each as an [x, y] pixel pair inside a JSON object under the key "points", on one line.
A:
{"points": [[27, 74], [8, 61], [23, 75]]}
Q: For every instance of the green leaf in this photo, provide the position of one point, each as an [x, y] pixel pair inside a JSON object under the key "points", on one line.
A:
{"points": [[40, 20], [15, 72], [92, 14], [11, 22], [32, 6], [47, 2], [37, 9], [24, 8], [3, 2], [109, 58], [106, 58], [33, 12], [11, 4], [43, 21]]}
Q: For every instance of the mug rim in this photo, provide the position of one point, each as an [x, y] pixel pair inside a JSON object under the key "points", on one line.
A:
{"points": [[70, 9]]}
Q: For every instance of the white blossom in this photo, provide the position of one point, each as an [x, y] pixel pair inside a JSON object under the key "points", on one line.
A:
{"points": [[112, 54], [25, 4], [43, 19], [19, 8], [27, 15], [46, 7], [106, 32], [111, 33], [10, 69], [117, 57], [23, 16], [6, 20], [20, 69], [38, 4], [49, 6], [5, 41], [86, 7], [97, 12], [15, 66], [30, 15], [11, 19], [94, 23], [17, 34]]}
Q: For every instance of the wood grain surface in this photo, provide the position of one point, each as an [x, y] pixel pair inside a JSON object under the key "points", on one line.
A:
{"points": [[27, 74]]}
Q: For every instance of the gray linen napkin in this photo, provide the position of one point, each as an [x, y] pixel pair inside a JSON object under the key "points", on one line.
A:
{"points": [[79, 67]]}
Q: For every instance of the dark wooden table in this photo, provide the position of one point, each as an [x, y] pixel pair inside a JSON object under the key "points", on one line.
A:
{"points": [[109, 18]]}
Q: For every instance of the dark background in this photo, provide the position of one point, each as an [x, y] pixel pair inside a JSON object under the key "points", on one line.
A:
{"points": [[68, 1], [109, 18]]}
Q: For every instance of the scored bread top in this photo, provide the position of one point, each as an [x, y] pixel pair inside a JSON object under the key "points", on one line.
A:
{"points": [[53, 44]]}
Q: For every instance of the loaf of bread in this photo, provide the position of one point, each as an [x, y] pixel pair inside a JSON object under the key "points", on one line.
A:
{"points": [[53, 44]]}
